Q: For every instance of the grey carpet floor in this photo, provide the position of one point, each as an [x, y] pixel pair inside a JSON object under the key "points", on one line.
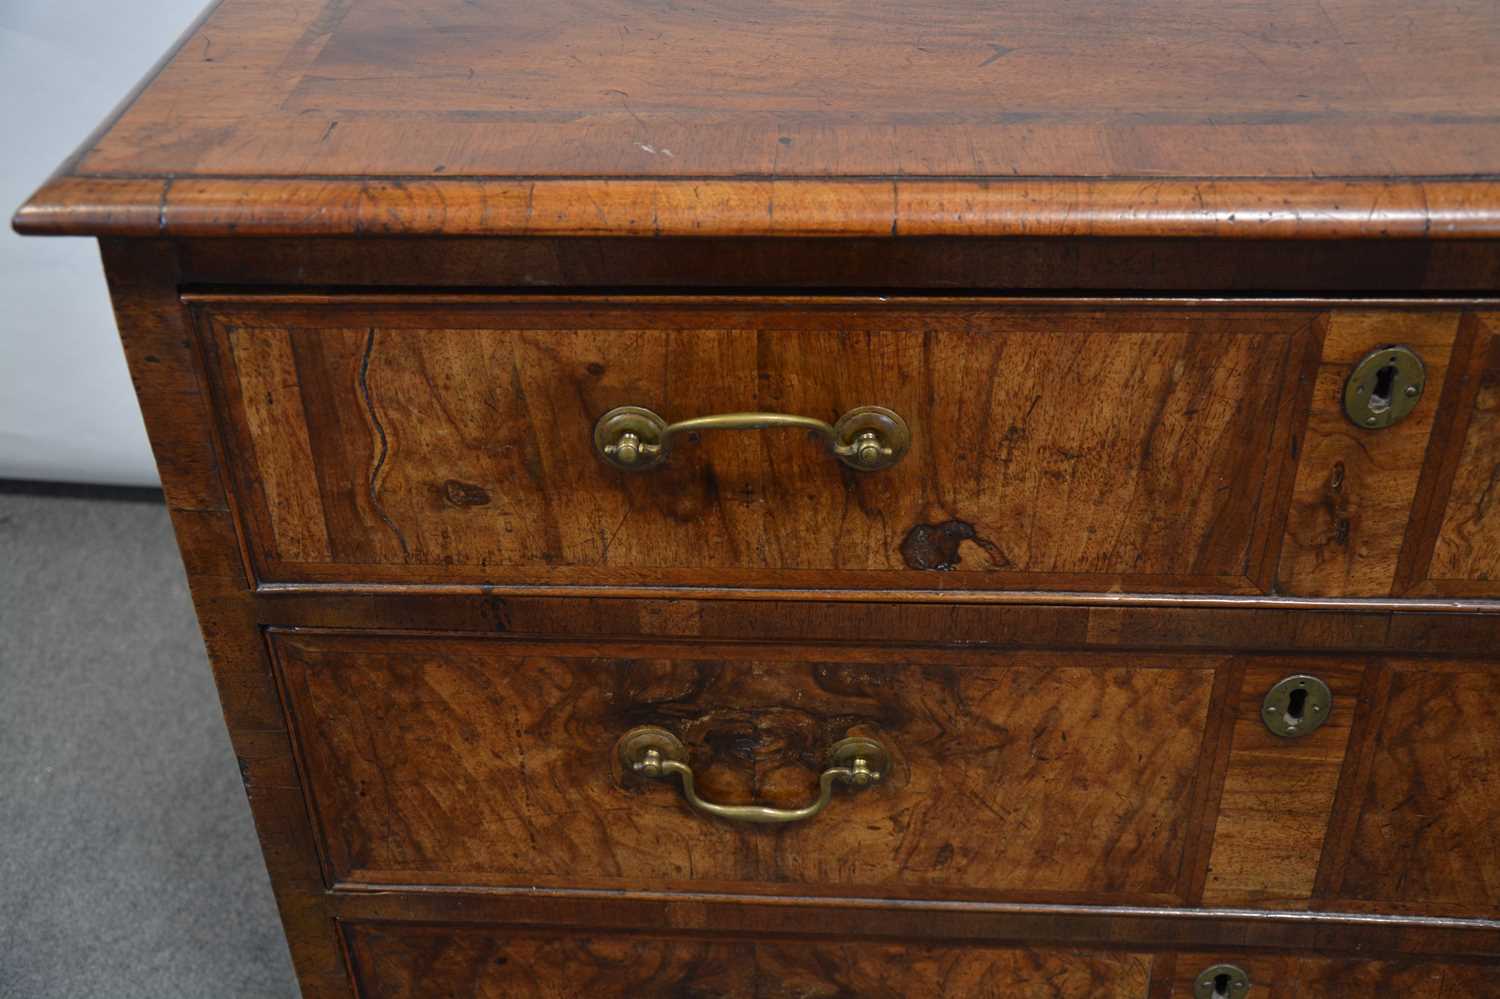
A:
{"points": [[128, 864]]}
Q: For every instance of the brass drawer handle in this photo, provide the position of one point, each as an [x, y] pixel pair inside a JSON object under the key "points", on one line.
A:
{"points": [[867, 438], [658, 754]]}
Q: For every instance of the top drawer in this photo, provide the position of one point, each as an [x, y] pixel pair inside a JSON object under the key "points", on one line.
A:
{"points": [[1067, 447]]}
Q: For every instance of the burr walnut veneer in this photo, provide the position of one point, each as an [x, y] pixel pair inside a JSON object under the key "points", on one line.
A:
{"points": [[747, 499]]}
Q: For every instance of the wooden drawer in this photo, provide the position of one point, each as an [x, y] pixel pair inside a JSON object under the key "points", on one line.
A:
{"points": [[1285, 976], [394, 960], [1076, 777], [475, 762], [1083, 447]]}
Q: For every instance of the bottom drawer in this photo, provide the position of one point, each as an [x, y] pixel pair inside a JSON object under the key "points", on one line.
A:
{"points": [[392, 961], [397, 961]]}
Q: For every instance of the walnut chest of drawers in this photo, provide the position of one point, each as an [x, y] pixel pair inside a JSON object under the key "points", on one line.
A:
{"points": [[837, 499]]}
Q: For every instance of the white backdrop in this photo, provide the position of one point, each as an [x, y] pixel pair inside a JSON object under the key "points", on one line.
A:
{"points": [[67, 412]]}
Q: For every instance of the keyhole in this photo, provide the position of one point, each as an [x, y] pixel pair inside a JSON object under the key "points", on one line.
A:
{"points": [[1296, 704], [1222, 981], [1385, 385]]}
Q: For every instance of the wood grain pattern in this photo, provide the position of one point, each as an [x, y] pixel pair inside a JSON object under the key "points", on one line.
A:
{"points": [[407, 961], [1272, 976], [472, 762], [1287, 976], [156, 331], [1239, 210], [999, 622], [396, 960], [461, 439], [1467, 550], [1355, 487], [1357, 118], [1429, 824], [1333, 979], [1380, 269], [1046, 925], [852, 90], [268, 375], [1278, 793]]}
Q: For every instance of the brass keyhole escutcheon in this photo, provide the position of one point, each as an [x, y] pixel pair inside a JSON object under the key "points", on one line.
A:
{"points": [[1384, 387], [1221, 980], [1296, 705]]}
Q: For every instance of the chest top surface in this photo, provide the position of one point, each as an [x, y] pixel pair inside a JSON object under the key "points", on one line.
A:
{"points": [[769, 117]]}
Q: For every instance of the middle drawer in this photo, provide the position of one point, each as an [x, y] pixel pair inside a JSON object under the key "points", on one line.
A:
{"points": [[1074, 776]]}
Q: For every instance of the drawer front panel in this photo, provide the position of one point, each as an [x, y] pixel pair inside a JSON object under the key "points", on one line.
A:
{"points": [[1288, 976], [1035, 775], [1427, 836], [405, 962], [1139, 778], [1058, 448], [1461, 552]]}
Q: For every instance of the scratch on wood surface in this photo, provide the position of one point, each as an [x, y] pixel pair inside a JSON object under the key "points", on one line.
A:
{"points": [[378, 471], [998, 51]]}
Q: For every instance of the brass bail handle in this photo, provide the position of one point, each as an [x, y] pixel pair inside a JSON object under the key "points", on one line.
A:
{"points": [[658, 754], [867, 438]]}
